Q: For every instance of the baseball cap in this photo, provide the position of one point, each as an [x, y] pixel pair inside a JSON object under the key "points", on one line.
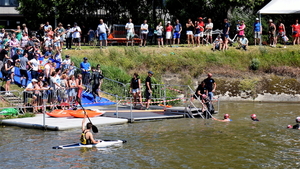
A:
{"points": [[67, 56], [150, 72], [68, 25], [75, 23], [200, 18], [169, 22], [270, 20], [34, 80], [85, 58], [257, 19]]}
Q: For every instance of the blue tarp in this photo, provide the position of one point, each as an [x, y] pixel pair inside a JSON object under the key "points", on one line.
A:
{"points": [[87, 100]]}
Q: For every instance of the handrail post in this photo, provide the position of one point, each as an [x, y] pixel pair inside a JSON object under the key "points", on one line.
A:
{"points": [[131, 117], [165, 95], [117, 108]]}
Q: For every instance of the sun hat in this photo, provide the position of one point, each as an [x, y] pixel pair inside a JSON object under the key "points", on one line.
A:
{"points": [[34, 80]]}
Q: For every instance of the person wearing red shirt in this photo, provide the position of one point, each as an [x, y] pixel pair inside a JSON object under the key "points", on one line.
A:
{"points": [[296, 32], [169, 29], [201, 25]]}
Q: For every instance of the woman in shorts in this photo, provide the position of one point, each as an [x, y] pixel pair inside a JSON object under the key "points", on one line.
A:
{"points": [[169, 29], [208, 31], [159, 33], [135, 89], [189, 32], [197, 34]]}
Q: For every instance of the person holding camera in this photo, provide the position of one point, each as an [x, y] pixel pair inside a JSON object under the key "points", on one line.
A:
{"points": [[76, 35]]}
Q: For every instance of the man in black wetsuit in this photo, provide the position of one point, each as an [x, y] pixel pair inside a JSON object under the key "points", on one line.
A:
{"points": [[148, 91], [96, 78], [296, 126]]}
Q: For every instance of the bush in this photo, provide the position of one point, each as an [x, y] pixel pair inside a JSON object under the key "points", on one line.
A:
{"points": [[254, 64]]}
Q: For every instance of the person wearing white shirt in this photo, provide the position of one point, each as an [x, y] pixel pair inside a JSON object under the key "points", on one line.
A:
{"points": [[101, 33], [34, 65], [130, 32], [144, 33], [76, 31]]}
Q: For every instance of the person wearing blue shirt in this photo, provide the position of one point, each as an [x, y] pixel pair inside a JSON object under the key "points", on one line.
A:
{"points": [[257, 29], [177, 32], [85, 70]]}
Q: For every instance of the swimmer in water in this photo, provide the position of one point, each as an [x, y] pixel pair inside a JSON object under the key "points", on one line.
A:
{"points": [[296, 126], [226, 118], [253, 117]]}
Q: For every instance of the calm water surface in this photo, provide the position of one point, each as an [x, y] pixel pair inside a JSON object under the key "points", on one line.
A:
{"points": [[174, 143]]}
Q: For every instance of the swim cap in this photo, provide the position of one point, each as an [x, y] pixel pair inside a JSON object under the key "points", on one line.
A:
{"points": [[226, 115], [298, 119], [289, 126], [253, 115]]}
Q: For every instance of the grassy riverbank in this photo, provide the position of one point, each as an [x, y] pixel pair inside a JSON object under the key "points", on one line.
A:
{"points": [[119, 62]]}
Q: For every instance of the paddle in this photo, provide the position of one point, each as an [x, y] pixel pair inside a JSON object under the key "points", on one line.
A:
{"points": [[94, 128]]}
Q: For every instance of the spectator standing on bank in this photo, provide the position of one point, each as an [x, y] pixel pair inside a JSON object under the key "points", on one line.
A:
{"points": [[210, 85], [148, 91], [23, 69], [296, 32], [169, 29], [281, 33], [18, 33], [226, 29], [257, 30], [201, 25], [34, 66], [91, 35], [85, 70], [60, 30], [102, 29], [130, 32], [159, 33], [177, 32], [4, 56], [7, 72], [144, 33], [47, 27], [197, 34], [76, 31], [189, 32], [272, 33], [68, 33], [208, 31]]}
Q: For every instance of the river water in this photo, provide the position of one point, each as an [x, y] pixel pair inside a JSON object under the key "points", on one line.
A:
{"points": [[173, 143]]}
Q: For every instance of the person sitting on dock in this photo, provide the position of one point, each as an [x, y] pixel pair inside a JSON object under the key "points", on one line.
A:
{"points": [[87, 135], [226, 118], [296, 126], [253, 117]]}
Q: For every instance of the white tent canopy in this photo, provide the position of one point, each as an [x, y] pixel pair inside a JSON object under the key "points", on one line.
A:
{"points": [[281, 7]]}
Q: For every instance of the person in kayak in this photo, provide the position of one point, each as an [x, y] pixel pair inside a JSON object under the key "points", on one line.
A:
{"points": [[87, 135], [253, 117], [296, 126], [226, 118]]}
